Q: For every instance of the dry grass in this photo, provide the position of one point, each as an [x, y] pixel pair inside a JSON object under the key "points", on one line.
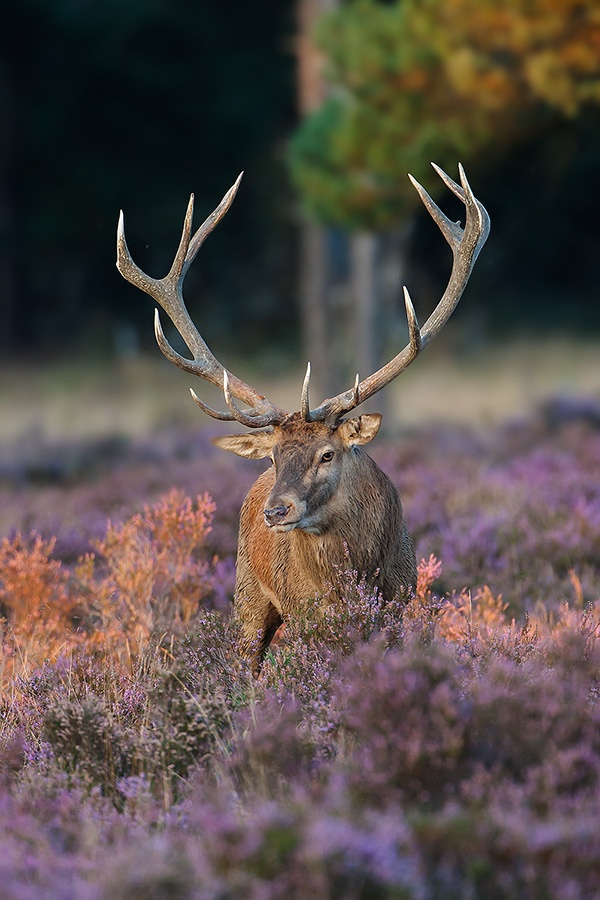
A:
{"points": [[137, 396], [495, 384]]}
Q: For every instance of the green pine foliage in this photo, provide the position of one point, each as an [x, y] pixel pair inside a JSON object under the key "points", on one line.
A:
{"points": [[412, 82]]}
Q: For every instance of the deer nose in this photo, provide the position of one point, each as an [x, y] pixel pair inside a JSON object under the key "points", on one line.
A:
{"points": [[276, 515]]}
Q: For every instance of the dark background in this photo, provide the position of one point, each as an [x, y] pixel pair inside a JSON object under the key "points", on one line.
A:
{"points": [[107, 105]]}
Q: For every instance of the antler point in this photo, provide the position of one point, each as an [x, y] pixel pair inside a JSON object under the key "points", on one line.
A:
{"points": [[121, 229], [304, 400], [228, 198], [410, 309]]}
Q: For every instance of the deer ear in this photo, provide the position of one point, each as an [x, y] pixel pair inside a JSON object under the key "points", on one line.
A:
{"points": [[252, 446], [360, 430]]}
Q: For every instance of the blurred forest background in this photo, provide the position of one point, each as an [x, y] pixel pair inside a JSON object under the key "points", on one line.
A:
{"points": [[106, 104]]}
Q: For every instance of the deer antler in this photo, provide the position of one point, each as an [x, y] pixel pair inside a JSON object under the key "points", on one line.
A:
{"points": [[466, 244], [168, 293]]}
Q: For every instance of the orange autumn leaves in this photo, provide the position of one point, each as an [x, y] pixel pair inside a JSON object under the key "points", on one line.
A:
{"points": [[147, 578], [516, 54]]}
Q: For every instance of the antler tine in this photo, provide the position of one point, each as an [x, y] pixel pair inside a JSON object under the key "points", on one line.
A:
{"points": [[450, 183], [251, 419], [466, 244], [304, 402], [414, 332], [209, 224], [176, 271], [355, 395], [215, 413], [168, 293], [451, 230]]}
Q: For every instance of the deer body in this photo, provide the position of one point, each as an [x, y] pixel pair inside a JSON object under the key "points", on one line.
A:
{"points": [[325, 505]]}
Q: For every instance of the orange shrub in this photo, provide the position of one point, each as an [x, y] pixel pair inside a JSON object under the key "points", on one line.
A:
{"points": [[150, 576], [35, 606]]}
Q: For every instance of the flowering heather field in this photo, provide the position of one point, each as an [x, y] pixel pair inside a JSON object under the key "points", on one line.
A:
{"points": [[448, 749]]}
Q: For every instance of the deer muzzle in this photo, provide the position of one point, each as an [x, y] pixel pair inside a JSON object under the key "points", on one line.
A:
{"points": [[276, 516]]}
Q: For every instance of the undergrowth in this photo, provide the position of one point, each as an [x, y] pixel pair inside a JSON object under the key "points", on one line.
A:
{"points": [[444, 748]]}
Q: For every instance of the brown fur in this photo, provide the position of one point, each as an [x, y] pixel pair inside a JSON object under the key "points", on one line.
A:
{"points": [[344, 512]]}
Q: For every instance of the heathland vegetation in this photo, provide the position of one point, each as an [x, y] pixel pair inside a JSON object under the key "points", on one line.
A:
{"points": [[443, 750]]}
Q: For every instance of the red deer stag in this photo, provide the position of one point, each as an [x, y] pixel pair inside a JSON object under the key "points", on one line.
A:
{"points": [[323, 505]]}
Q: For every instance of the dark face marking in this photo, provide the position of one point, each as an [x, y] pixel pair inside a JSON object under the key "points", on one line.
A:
{"points": [[308, 466]]}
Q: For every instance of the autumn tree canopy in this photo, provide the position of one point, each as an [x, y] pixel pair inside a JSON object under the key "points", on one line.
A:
{"points": [[448, 80]]}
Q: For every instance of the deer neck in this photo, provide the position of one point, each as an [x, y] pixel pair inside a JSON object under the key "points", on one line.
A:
{"points": [[365, 508]]}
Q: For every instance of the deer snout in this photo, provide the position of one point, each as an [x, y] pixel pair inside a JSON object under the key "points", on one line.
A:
{"points": [[276, 516]]}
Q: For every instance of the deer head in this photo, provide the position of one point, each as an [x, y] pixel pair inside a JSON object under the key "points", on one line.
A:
{"points": [[311, 461]]}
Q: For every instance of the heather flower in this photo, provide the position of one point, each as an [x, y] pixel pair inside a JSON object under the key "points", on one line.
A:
{"points": [[270, 749], [406, 717], [87, 740]]}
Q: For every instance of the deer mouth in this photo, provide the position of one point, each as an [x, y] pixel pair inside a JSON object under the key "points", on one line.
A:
{"points": [[283, 527], [300, 524]]}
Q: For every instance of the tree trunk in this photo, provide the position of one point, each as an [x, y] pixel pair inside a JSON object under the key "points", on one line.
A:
{"points": [[316, 318], [314, 268], [364, 294], [377, 273]]}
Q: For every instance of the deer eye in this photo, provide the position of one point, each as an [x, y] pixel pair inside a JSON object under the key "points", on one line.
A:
{"points": [[327, 456]]}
